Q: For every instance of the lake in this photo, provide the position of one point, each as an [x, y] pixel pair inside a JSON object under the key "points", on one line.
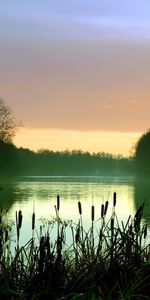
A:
{"points": [[40, 193]]}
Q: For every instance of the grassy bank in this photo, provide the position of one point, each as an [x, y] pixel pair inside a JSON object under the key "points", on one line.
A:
{"points": [[109, 261]]}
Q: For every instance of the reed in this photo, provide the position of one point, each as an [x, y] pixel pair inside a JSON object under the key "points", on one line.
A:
{"points": [[109, 261], [80, 208], [33, 221], [18, 225]]}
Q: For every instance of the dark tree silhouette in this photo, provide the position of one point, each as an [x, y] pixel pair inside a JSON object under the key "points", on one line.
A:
{"points": [[142, 154], [7, 123], [76, 162], [8, 159]]}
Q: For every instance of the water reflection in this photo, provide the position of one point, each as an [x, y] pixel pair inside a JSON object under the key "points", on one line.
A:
{"points": [[40, 194], [7, 196]]}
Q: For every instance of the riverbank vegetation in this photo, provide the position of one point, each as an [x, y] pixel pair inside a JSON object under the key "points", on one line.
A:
{"points": [[142, 157], [19, 161], [110, 260]]}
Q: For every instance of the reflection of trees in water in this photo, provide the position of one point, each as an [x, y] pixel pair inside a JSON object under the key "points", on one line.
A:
{"points": [[142, 194], [7, 196]]}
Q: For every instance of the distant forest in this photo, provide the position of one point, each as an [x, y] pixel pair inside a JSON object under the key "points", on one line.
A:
{"points": [[23, 162]]}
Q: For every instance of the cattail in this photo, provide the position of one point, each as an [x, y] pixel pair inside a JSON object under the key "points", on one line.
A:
{"points": [[92, 213], [77, 236], [106, 207], [19, 219], [33, 220], [58, 202], [80, 208], [17, 225], [102, 210], [114, 199]]}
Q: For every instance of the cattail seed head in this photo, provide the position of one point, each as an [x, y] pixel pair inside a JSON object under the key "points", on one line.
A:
{"points": [[77, 236], [58, 202], [80, 207], [106, 207], [92, 213], [114, 199], [19, 219], [33, 221], [102, 210]]}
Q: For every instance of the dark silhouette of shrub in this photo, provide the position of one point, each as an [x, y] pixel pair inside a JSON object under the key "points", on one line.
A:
{"points": [[8, 158], [142, 154]]}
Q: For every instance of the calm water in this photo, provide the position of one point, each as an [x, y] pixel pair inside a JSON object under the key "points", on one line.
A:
{"points": [[39, 193]]}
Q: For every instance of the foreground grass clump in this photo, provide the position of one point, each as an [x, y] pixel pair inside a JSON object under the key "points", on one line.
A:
{"points": [[109, 261]]}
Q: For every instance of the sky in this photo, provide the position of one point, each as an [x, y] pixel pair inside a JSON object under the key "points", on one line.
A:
{"points": [[76, 73]]}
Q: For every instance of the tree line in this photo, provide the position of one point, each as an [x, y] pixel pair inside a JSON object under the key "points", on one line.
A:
{"points": [[20, 161]]}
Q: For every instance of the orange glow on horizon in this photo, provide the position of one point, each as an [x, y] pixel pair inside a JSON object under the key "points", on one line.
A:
{"points": [[92, 141]]}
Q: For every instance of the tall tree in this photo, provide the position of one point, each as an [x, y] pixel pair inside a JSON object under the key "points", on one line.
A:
{"points": [[7, 123]]}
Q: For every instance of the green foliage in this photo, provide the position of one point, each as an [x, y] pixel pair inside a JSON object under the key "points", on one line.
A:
{"points": [[21, 161], [142, 155], [8, 159], [46, 162]]}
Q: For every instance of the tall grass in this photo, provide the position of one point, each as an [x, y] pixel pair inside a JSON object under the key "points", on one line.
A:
{"points": [[111, 260]]}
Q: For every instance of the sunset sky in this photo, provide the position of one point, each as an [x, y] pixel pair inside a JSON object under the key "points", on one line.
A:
{"points": [[76, 73]]}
